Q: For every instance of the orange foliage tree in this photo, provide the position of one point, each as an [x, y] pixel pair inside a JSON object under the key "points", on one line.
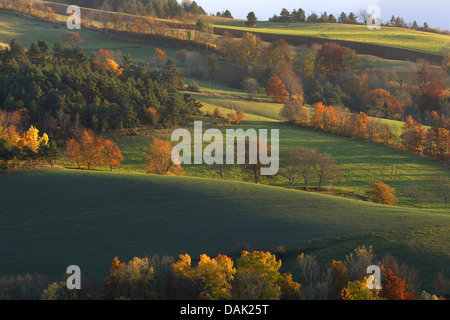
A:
{"points": [[413, 136], [159, 159], [437, 141], [111, 154], [431, 84], [394, 287], [160, 55], [384, 97], [382, 193], [276, 89], [104, 59], [87, 151]]}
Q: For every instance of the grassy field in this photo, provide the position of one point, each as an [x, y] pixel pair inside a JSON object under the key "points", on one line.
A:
{"points": [[28, 30], [386, 36], [360, 162], [57, 217]]}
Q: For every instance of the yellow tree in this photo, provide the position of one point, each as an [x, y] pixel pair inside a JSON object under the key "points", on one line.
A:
{"points": [[358, 290], [211, 277], [32, 140], [257, 276]]}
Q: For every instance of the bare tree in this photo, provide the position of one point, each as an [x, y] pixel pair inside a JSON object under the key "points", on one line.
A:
{"points": [[294, 112], [414, 192], [307, 158], [363, 15], [442, 188], [326, 169], [358, 261], [290, 164]]}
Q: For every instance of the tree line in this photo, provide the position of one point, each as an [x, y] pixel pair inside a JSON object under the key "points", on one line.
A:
{"points": [[156, 8], [361, 17], [254, 275], [433, 143]]}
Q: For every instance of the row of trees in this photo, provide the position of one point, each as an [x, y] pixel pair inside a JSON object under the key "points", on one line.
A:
{"points": [[156, 8], [361, 17], [300, 16], [87, 151], [433, 143], [255, 275], [19, 148]]}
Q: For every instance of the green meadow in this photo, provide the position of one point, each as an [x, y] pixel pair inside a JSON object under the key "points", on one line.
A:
{"points": [[28, 30], [386, 36], [53, 218]]}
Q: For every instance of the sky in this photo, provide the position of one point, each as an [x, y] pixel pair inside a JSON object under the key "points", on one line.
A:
{"points": [[435, 12]]}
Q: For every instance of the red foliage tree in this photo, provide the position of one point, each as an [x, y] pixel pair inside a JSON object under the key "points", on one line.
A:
{"points": [[384, 97], [413, 136], [276, 89], [394, 287], [330, 61]]}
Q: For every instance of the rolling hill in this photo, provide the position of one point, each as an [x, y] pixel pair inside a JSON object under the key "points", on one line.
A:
{"points": [[57, 217]]}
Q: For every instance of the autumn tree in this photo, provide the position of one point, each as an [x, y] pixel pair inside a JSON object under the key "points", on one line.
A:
{"points": [[394, 287], [236, 116], [257, 277], [437, 140], [104, 59], [211, 277], [73, 152], [383, 101], [87, 150], [111, 154], [276, 89], [129, 280], [159, 159], [431, 86], [339, 276], [413, 136], [382, 193], [72, 38], [160, 55], [358, 290], [330, 61]]}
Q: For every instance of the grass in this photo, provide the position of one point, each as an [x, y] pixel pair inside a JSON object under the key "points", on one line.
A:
{"points": [[386, 36], [27, 31], [359, 162], [52, 218]]}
